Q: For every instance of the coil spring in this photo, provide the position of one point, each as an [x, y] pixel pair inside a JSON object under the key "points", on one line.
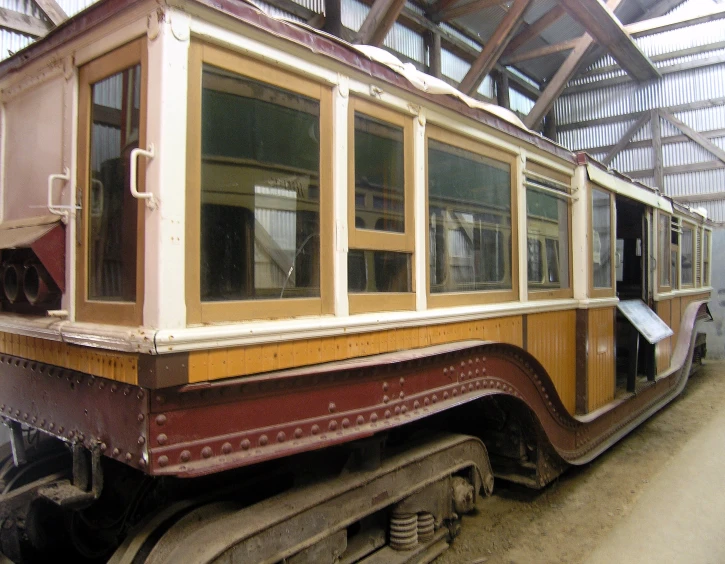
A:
{"points": [[403, 531], [426, 527]]}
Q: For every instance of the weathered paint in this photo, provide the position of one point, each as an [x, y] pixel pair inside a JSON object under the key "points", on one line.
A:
{"points": [[664, 347], [551, 339], [600, 358]]}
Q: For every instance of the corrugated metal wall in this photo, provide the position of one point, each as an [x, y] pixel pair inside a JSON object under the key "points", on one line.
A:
{"points": [[588, 98]]}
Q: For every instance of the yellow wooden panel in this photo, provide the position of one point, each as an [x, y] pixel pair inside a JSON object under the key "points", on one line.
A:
{"points": [[664, 347], [551, 338], [601, 379], [198, 366]]}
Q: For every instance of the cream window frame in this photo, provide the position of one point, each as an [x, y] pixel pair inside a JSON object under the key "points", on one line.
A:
{"points": [[612, 290]]}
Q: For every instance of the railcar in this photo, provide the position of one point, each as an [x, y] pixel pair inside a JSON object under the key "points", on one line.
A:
{"points": [[268, 296]]}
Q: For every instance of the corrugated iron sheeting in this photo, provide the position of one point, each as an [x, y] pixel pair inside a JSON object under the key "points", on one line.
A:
{"points": [[11, 42], [26, 7], [633, 159], [317, 6], [700, 182], [276, 12], [519, 102]]}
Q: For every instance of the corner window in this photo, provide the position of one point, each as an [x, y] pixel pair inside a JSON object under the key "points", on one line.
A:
{"points": [[687, 255], [380, 259], [663, 257], [469, 221], [257, 186], [112, 93], [601, 247]]}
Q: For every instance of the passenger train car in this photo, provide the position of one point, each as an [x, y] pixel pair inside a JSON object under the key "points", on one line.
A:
{"points": [[256, 279]]}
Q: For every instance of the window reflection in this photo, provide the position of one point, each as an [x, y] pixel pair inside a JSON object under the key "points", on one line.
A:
{"points": [[548, 230], [601, 239], [260, 201], [113, 212]]}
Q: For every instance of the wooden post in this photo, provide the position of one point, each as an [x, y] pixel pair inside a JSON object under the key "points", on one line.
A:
{"points": [[333, 17], [550, 125], [657, 151], [433, 43], [502, 90]]}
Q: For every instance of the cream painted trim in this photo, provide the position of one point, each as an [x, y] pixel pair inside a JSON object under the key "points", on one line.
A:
{"points": [[111, 41], [624, 188], [684, 292], [580, 223], [71, 90], [420, 223], [47, 73], [340, 119], [595, 303], [550, 163], [3, 150], [522, 227]]}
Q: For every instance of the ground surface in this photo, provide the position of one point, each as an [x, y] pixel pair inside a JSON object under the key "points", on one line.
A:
{"points": [[585, 510]]}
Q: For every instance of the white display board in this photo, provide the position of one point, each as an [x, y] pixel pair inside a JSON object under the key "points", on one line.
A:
{"points": [[646, 321]]}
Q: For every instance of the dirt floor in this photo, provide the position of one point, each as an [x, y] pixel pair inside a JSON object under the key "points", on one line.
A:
{"points": [[568, 519]]}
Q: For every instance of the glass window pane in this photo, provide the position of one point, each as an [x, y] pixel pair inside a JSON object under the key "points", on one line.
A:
{"points": [[706, 259], [548, 241], [379, 174], [664, 243], [601, 239], [260, 194], [378, 271], [469, 222], [686, 255], [113, 212]]}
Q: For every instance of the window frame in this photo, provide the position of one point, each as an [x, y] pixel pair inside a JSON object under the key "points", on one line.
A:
{"points": [[612, 291], [541, 170], [707, 257], [473, 297], [365, 239], [664, 254], [198, 311], [684, 224], [105, 66]]}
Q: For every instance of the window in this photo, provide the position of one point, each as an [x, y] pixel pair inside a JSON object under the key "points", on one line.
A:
{"points": [[257, 193], [674, 253], [663, 258], [380, 260], [686, 255], [706, 258], [547, 221], [112, 94], [469, 221], [601, 241]]}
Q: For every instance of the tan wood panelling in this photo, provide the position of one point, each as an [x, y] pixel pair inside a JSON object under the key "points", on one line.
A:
{"points": [[551, 338], [675, 318], [664, 347], [119, 366], [600, 357], [241, 361]]}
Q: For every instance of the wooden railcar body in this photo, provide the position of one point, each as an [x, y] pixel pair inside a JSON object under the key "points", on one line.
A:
{"points": [[164, 353]]}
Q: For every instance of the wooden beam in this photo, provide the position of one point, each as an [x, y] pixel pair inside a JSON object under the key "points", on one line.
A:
{"points": [[696, 198], [485, 62], [559, 81], [540, 52], [696, 136], [603, 25], [379, 21], [20, 23], [670, 139], [467, 9], [437, 7], [626, 138], [529, 31], [433, 43], [502, 91], [657, 160], [679, 169], [52, 9], [333, 17]]}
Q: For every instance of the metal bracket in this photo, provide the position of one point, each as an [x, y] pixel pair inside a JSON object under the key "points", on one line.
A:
{"points": [[17, 444], [151, 202], [62, 211], [85, 474]]}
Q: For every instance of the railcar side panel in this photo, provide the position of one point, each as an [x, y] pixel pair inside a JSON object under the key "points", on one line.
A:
{"points": [[601, 376]]}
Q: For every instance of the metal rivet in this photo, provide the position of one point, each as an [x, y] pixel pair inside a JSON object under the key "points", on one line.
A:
{"points": [[445, 371], [206, 452], [114, 387], [385, 386], [315, 429], [160, 419], [227, 448], [455, 393], [426, 401], [397, 410], [34, 419], [470, 387], [163, 460], [345, 423], [434, 398], [402, 381], [374, 417], [403, 409], [25, 416], [101, 385], [401, 395], [103, 447], [52, 426], [42, 422], [333, 425], [71, 434], [387, 414], [185, 456], [445, 395], [463, 389], [245, 444], [139, 395], [263, 440], [140, 417], [115, 452], [129, 456], [281, 437], [126, 391], [360, 420], [161, 439], [298, 433], [141, 440], [331, 407], [386, 399], [160, 399]]}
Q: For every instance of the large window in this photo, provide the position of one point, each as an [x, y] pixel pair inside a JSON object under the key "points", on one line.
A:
{"points": [[663, 258], [257, 193], [547, 227], [112, 124], [380, 259], [687, 255], [602, 241], [469, 221]]}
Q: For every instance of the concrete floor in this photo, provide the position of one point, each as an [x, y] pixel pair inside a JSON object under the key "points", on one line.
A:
{"points": [[680, 516]]}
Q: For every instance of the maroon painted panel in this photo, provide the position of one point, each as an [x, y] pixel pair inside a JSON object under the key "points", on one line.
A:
{"points": [[50, 249]]}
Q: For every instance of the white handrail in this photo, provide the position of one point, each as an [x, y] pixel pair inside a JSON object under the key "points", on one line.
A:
{"points": [[62, 211], [148, 196]]}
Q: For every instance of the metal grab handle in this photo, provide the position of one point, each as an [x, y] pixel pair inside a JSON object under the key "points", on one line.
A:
{"points": [[148, 196], [58, 210]]}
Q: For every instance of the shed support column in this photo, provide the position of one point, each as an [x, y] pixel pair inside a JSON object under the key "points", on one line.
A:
{"points": [[550, 125], [433, 43], [333, 17], [502, 90]]}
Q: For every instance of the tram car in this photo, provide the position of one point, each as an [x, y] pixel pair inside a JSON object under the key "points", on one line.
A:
{"points": [[269, 296]]}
